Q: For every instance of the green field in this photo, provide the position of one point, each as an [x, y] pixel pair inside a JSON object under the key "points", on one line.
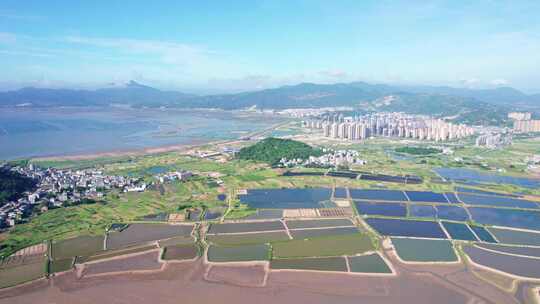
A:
{"points": [[417, 250], [323, 246]]}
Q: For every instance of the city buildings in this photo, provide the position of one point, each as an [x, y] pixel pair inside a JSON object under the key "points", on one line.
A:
{"points": [[389, 125]]}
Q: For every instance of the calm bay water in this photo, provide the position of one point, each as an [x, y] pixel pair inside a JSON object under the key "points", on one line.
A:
{"points": [[69, 131]]}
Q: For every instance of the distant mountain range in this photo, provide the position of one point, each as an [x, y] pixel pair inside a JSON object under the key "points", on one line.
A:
{"points": [[468, 105]]}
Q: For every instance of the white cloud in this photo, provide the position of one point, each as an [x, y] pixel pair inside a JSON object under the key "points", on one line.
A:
{"points": [[499, 82]]}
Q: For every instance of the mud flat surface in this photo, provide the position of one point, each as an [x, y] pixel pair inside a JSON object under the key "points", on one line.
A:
{"points": [[145, 261], [249, 276], [185, 282]]}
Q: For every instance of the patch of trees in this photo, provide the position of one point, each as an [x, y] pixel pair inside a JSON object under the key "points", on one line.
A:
{"points": [[418, 150], [13, 184], [272, 150]]}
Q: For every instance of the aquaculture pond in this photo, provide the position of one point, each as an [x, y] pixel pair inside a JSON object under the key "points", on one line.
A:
{"points": [[80, 246], [378, 195], [520, 266], [140, 233], [396, 227], [459, 231], [483, 234], [340, 193], [386, 209], [431, 250], [483, 192], [370, 263], [321, 264], [248, 238], [286, 198], [245, 227], [349, 244], [507, 236], [299, 224], [453, 213], [452, 198], [497, 201], [254, 252], [462, 174], [311, 233], [265, 214], [426, 211], [426, 196], [506, 217], [519, 250]]}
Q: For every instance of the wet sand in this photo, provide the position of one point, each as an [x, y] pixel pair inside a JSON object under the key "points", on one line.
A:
{"points": [[186, 283]]}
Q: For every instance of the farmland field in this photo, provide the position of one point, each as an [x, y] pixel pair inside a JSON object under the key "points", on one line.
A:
{"points": [[239, 253], [431, 250], [248, 238], [321, 264], [323, 246], [370, 263], [80, 246]]}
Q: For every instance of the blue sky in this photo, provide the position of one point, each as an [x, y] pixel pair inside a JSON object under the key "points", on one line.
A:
{"points": [[221, 46]]}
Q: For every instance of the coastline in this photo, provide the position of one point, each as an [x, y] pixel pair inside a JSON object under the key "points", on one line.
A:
{"points": [[155, 149]]}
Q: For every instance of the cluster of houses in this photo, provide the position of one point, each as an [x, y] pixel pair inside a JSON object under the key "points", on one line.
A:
{"points": [[338, 158], [57, 188], [174, 176]]}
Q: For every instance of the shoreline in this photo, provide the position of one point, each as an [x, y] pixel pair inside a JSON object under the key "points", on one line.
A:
{"points": [[153, 150]]}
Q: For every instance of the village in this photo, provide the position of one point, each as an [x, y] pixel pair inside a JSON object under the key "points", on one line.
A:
{"points": [[58, 188]]}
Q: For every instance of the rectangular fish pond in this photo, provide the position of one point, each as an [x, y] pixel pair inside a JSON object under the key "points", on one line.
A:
{"points": [[422, 250], [320, 264], [370, 263], [459, 231], [412, 228], [286, 198], [526, 219], [239, 253], [378, 195], [385, 209]]}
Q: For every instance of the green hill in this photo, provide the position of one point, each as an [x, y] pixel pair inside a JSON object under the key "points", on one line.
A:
{"points": [[272, 150]]}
